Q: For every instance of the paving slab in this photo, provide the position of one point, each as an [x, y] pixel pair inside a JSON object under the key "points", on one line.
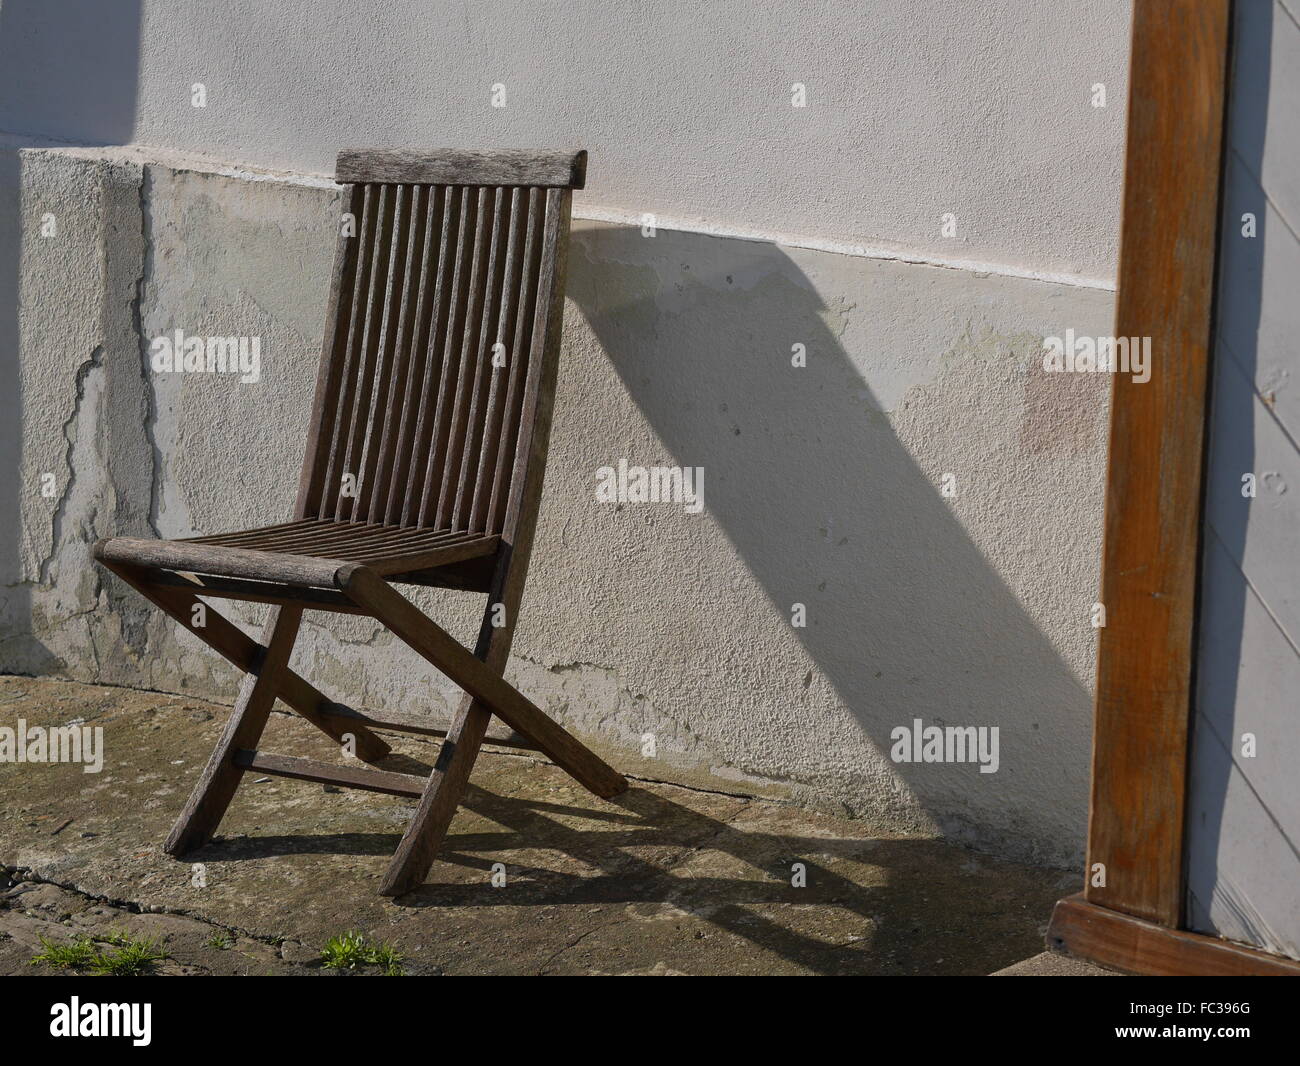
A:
{"points": [[1054, 964], [536, 877]]}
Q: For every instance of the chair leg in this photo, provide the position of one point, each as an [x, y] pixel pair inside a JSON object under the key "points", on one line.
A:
{"points": [[442, 795], [227, 639], [482, 681], [216, 788]]}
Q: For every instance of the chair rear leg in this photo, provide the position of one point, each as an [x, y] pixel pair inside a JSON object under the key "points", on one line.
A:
{"points": [[442, 795], [216, 788]]}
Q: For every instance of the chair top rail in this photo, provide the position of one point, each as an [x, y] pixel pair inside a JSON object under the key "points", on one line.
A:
{"points": [[454, 166]]}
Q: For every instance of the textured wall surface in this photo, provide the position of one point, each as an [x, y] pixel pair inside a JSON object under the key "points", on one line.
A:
{"points": [[822, 487], [914, 110]]}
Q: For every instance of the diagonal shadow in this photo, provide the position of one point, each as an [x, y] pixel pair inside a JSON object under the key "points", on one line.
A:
{"points": [[826, 506]]}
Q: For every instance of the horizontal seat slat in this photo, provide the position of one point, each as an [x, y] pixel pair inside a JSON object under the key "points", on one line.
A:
{"points": [[303, 555], [189, 557], [385, 781]]}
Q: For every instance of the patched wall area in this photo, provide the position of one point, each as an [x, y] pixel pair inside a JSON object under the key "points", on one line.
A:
{"points": [[929, 496]]}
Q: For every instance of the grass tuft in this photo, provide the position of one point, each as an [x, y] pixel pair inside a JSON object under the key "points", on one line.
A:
{"points": [[73, 955], [131, 959], [349, 950]]}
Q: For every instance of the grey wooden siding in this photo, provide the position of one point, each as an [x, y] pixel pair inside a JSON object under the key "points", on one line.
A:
{"points": [[1243, 869]]}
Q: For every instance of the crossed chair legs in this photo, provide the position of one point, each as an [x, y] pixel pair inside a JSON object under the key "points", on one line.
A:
{"points": [[479, 673]]}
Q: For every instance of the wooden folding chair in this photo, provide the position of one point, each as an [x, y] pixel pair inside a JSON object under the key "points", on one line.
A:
{"points": [[424, 466]]}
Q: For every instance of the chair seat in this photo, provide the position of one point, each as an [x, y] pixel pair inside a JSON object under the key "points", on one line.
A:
{"points": [[308, 552]]}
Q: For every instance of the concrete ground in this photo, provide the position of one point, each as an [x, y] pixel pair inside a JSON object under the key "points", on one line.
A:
{"points": [[1052, 964], [663, 880]]}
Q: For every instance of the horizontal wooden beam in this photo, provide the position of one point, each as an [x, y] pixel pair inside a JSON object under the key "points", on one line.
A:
{"points": [[385, 781], [1123, 942], [454, 166], [234, 588], [405, 722]]}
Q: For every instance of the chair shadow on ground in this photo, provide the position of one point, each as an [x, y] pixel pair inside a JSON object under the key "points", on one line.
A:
{"points": [[869, 905]]}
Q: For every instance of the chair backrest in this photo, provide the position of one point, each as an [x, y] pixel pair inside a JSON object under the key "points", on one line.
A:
{"points": [[434, 395]]}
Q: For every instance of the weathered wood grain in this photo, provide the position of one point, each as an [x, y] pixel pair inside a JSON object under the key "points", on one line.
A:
{"points": [[1166, 281], [458, 166], [1136, 946]]}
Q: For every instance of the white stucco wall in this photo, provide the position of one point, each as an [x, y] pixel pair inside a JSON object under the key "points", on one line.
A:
{"points": [[914, 110], [822, 484]]}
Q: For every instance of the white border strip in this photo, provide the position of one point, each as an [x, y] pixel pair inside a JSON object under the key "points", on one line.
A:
{"points": [[861, 251]]}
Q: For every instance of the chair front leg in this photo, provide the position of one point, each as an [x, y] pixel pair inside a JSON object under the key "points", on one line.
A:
{"points": [[216, 788], [227, 639]]}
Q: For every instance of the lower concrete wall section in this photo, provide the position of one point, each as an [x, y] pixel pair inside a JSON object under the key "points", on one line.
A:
{"points": [[905, 528]]}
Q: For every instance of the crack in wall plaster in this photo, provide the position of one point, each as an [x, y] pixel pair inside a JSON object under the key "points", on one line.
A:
{"points": [[145, 189], [72, 435]]}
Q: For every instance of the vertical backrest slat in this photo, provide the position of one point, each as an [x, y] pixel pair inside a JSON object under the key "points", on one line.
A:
{"points": [[445, 400], [342, 399], [503, 475], [420, 367], [503, 341], [358, 409], [460, 489], [533, 429], [386, 355], [434, 359], [436, 381], [391, 413], [467, 364], [338, 314]]}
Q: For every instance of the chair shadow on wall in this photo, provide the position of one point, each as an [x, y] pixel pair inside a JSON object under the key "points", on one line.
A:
{"points": [[826, 507], [70, 68]]}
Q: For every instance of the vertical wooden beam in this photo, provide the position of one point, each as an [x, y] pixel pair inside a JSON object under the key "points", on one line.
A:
{"points": [[1166, 282]]}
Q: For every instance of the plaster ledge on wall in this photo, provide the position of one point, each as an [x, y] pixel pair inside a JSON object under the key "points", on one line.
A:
{"points": [[885, 251]]}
